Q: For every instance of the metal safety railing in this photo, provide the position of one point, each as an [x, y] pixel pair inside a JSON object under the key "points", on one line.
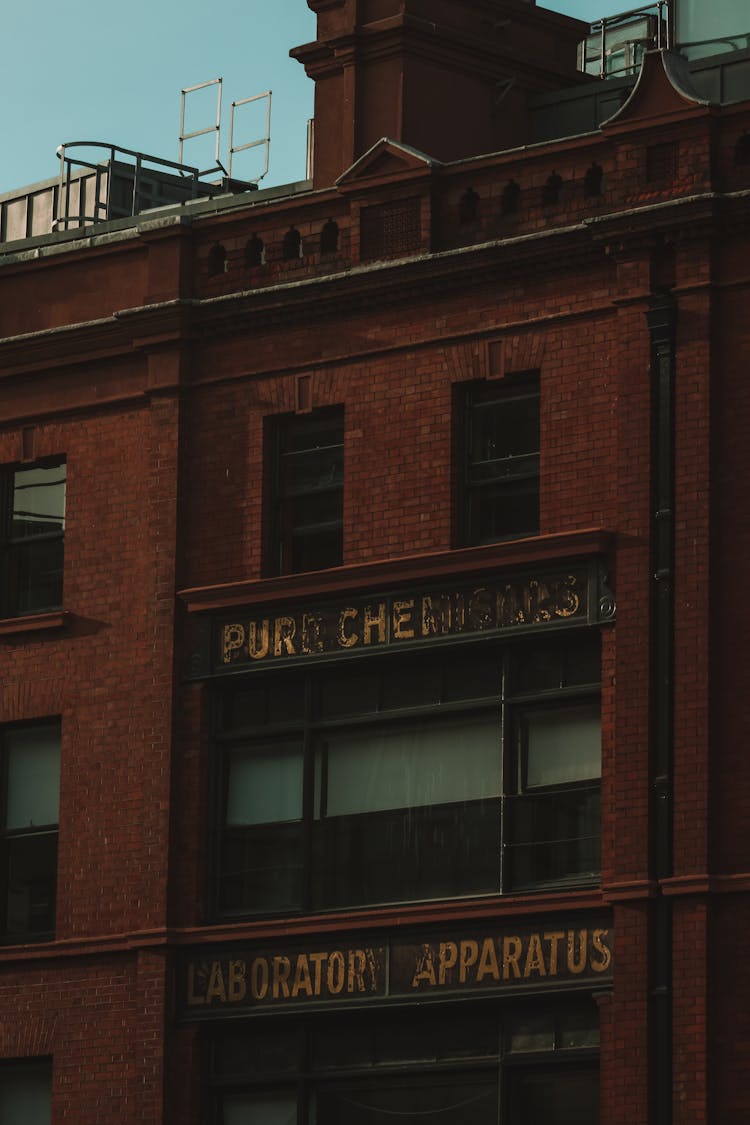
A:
{"points": [[617, 44], [121, 183]]}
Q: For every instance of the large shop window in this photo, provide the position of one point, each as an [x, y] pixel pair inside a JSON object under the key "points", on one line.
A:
{"points": [[26, 1092], [399, 780], [307, 491], [501, 461], [32, 529], [453, 1064], [29, 795]]}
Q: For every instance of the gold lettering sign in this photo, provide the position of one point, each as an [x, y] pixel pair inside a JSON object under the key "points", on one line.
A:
{"points": [[412, 617], [272, 977], [545, 955], [513, 958]]}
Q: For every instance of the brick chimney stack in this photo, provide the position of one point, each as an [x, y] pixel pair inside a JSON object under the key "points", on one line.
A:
{"points": [[449, 77]]}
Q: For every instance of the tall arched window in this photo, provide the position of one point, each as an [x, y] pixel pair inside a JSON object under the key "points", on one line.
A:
{"points": [[292, 247]]}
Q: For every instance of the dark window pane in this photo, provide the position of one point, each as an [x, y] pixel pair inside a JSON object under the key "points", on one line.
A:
{"points": [[314, 472], [344, 1044], [539, 669], [245, 707], [552, 836], [554, 1096], [35, 574], [32, 526], [265, 700], [309, 492], [415, 686], [314, 511], [348, 693], [535, 1032], [261, 868], [286, 700], [579, 1028], [506, 428], [501, 463], [503, 471], [273, 1050], [29, 809], [432, 1037], [312, 432], [385, 1039], [316, 550], [407, 854], [474, 678], [31, 864], [504, 510], [583, 663], [544, 668]]}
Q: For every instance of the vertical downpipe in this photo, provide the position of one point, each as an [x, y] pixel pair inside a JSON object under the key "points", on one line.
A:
{"points": [[662, 317]]}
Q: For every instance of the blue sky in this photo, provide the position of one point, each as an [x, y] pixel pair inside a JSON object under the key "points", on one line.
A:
{"points": [[82, 71]]}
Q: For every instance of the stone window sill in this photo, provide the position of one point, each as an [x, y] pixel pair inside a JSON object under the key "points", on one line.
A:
{"points": [[34, 623]]}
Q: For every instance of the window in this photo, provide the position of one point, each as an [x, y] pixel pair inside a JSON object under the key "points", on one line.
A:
{"points": [[501, 461], [308, 492], [409, 779], [329, 238], [217, 260], [592, 181], [510, 199], [26, 1092], [551, 190], [291, 247], [553, 817], [32, 528], [29, 791], [255, 252], [468, 207], [452, 1063]]}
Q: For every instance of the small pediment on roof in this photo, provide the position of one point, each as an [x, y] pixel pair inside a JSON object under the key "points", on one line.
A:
{"points": [[386, 160], [664, 89]]}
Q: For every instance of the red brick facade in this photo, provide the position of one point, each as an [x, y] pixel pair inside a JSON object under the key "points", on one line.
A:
{"points": [[158, 379]]}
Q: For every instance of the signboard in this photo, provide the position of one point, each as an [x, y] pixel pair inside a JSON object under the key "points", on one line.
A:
{"points": [[404, 619], [548, 955]]}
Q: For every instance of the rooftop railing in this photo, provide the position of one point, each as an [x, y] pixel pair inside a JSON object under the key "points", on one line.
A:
{"points": [[119, 184], [617, 44]]}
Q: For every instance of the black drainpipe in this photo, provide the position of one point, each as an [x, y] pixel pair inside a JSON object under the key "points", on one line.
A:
{"points": [[662, 317]]}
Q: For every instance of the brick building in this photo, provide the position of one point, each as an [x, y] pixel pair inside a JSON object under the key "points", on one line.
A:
{"points": [[371, 674]]}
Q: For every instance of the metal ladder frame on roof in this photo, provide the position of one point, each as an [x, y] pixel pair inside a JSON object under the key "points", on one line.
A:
{"points": [[215, 128]]}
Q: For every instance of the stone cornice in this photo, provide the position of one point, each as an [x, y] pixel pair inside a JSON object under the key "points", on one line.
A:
{"points": [[143, 329], [541, 549], [388, 283]]}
